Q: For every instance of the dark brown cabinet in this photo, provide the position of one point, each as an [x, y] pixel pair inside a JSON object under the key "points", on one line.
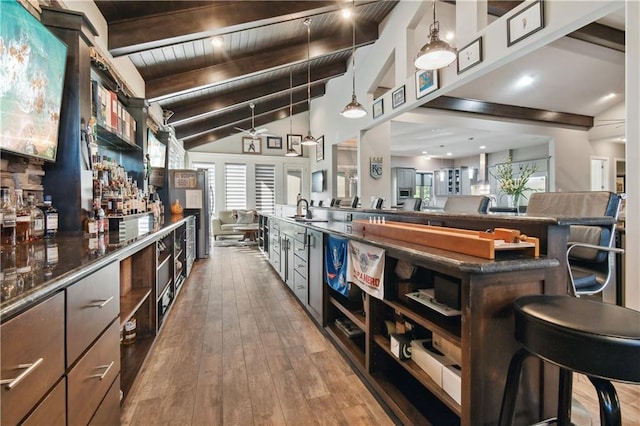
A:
{"points": [[32, 347]]}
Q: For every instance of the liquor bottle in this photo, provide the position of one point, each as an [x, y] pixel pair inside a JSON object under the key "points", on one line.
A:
{"points": [[37, 219], [91, 226], [50, 218], [23, 219], [99, 215], [8, 222]]}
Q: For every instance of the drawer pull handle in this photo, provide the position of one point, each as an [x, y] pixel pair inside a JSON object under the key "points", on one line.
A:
{"points": [[11, 383], [107, 367], [101, 303], [299, 265], [300, 233]]}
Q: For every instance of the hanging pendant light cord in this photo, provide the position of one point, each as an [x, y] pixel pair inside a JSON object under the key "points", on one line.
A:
{"points": [[290, 102], [309, 70], [353, 56]]}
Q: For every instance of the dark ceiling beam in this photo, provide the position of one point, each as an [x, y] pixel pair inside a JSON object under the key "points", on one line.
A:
{"points": [[213, 19], [243, 115], [601, 35], [254, 63], [190, 110], [223, 132], [509, 111]]}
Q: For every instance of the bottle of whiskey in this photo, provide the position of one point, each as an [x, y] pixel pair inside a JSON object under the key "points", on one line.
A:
{"points": [[37, 219], [8, 222], [23, 219], [50, 218]]}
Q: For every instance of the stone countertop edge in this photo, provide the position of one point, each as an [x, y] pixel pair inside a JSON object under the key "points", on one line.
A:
{"points": [[72, 276]]}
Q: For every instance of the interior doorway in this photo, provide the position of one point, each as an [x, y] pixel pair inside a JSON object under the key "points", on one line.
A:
{"points": [[599, 174]]}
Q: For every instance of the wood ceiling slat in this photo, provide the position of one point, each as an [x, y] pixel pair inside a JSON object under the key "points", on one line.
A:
{"points": [[223, 100], [130, 36], [178, 83]]}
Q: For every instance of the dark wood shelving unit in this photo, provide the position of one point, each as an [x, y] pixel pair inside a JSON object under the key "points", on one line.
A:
{"points": [[131, 302], [412, 368], [356, 317], [353, 351], [131, 359]]}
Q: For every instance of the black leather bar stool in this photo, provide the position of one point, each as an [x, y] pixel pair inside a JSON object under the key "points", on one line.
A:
{"points": [[597, 339]]}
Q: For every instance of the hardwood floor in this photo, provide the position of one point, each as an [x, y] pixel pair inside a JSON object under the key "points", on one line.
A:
{"points": [[238, 349]]}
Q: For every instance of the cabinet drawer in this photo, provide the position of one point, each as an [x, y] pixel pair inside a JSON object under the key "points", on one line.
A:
{"points": [[32, 351], [300, 234], [109, 410], [51, 411], [300, 249], [92, 377], [300, 267], [92, 303], [300, 287]]}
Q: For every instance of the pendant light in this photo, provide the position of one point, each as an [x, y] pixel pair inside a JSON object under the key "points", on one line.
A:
{"points": [[309, 140], [290, 151], [436, 53], [353, 109]]}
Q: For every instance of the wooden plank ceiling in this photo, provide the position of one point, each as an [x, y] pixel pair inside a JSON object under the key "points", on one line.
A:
{"points": [[263, 45], [209, 87]]}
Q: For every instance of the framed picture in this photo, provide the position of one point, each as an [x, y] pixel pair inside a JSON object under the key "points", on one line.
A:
{"points": [[470, 55], [294, 142], [397, 97], [526, 22], [320, 148], [378, 108], [426, 82], [274, 142], [251, 145]]}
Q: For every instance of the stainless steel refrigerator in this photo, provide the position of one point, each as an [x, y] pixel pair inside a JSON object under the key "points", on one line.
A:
{"points": [[191, 188]]}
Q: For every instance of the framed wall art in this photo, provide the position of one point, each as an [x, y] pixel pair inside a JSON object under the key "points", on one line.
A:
{"points": [[274, 142], [470, 55], [294, 142], [378, 108], [251, 145], [426, 82], [398, 97], [320, 148], [526, 22]]}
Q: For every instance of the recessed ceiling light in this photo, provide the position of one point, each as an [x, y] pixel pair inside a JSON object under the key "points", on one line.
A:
{"points": [[346, 13], [427, 157], [483, 146], [217, 41], [609, 96], [623, 139], [449, 154], [424, 152], [525, 80], [450, 35]]}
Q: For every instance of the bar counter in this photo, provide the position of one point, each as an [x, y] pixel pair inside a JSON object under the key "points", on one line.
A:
{"points": [[77, 256]]}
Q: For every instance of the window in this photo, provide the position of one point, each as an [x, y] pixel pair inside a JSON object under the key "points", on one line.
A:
{"points": [[235, 186], [211, 182], [265, 188]]}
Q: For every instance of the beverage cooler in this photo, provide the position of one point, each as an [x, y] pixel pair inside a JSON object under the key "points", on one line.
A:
{"points": [[191, 189]]}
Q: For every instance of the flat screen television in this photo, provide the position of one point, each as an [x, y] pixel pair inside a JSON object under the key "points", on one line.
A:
{"points": [[317, 181], [157, 150], [32, 67]]}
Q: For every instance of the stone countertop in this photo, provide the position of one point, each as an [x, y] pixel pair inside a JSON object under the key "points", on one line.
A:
{"points": [[56, 263], [428, 256]]}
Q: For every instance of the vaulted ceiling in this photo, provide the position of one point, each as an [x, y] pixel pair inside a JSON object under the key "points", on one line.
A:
{"points": [[208, 61]]}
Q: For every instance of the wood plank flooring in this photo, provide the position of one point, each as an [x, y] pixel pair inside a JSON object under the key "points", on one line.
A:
{"points": [[238, 349]]}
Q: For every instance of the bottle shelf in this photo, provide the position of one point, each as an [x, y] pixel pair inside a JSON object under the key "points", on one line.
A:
{"points": [[107, 138]]}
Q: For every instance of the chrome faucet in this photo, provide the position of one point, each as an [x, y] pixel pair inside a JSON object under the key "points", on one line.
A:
{"points": [[308, 215]]}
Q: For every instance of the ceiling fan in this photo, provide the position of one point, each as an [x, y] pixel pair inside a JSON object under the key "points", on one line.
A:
{"points": [[252, 131]]}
